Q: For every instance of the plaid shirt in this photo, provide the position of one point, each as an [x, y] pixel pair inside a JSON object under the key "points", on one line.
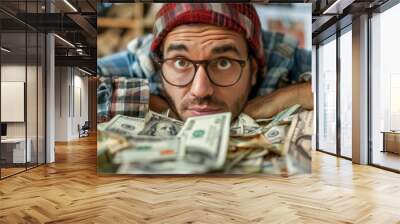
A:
{"points": [[286, 64], [122, 95]]}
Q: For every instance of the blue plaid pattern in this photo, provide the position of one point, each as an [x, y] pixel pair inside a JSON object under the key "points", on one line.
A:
{"points": [[122, 95]]}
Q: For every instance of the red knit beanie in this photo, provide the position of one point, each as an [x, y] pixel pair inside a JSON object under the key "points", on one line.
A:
{"points": [[241, 18]]}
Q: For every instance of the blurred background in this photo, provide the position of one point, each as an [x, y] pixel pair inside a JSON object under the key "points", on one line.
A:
{"points": [[119, 23]]}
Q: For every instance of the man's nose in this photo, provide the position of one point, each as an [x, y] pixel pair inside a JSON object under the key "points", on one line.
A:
{"points": [[201, 85]]}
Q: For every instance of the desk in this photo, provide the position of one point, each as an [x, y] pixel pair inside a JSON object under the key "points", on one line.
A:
{"points": [[13, 150], [391, 141]]}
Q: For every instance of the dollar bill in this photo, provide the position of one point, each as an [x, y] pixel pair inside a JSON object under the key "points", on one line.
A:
{"points": [[160, 125], [236, 160], [256, 141], [276, 134], [264, 121], [159, 144], [260, 153], [145, 149], [276, 165], [244, 125], [254, 153], [206, 139], [298, 142], [114, 144], [282, 116], [123, 125], [102, 126], [166, 113], [245, 161], [244, 119], [248, 166], [107, 144], [245, 130]]}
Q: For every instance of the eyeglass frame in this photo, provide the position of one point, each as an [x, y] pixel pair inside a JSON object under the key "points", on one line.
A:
{"points": [[197, 64]]}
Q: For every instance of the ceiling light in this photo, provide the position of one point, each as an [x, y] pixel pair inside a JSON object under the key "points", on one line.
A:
{"points": [[5, 49], [84, 71], [326, 11], [70, 5], [65, 41]]}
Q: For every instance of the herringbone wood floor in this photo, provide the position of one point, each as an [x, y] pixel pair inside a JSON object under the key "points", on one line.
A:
{"points": [[70, 191]]}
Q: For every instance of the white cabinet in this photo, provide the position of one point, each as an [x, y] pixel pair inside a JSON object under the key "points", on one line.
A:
{"points": [[15, 148]]}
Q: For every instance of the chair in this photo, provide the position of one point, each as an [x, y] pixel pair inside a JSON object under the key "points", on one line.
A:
{"points": [[84, 130]]}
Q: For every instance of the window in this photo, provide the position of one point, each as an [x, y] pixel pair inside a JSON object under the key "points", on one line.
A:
{"points": [[346, 74], [385, 86], [327, 97], [22, 75]]}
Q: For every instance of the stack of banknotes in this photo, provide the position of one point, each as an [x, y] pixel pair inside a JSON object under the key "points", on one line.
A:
{"points": [[158, 144]]}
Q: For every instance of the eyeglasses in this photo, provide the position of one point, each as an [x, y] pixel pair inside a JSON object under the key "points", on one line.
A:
{"points": [[181, 71]]}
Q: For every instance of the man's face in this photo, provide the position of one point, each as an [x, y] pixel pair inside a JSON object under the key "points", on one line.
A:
{"points": [[201, 96]]}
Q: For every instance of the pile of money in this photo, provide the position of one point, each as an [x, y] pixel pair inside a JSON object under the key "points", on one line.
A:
{"points": [[158, 144]]}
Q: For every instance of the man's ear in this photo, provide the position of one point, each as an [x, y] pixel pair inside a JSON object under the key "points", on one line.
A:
{"points": [[253, 71]]}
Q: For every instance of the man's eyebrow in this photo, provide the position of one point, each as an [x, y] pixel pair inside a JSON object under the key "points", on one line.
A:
{"points": [[176, 47], [217, 50], [226, 48]]}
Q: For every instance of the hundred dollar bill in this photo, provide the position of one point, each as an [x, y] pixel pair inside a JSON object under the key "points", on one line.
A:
{"points": [[114, 144], [264, 120], [229, 165], [245, 130], [145, 149], [244, 125], [206, 139], [166, 113], [244, 119], [298, 142], [107, 145], [276, 134], [281, 116], [277, 166], [248, 166], [123, 125], [160, 125], [257, 152], [101, 126], [111, 143], [245, 161], [258, 141]]}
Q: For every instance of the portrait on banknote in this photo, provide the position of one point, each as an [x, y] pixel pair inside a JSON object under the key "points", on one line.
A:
{"points": [[204, 88]]}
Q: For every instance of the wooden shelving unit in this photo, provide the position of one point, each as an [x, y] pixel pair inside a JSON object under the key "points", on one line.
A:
{"points": [[123, 23]]}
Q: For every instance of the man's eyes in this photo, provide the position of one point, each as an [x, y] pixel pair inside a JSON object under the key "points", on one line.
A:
{"points": [[181, 63], [223, 63]]}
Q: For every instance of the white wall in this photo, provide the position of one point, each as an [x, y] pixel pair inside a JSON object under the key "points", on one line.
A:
{"points": [[70, 83], [33, 126], [16, 73], [61, 103]]}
